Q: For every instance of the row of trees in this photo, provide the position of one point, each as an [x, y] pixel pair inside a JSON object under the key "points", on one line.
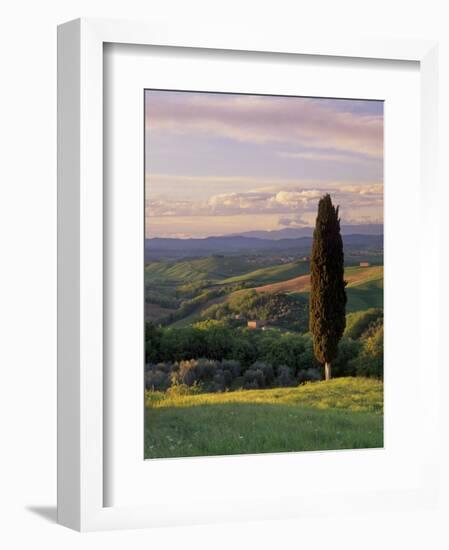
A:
{"points": [[206, 375], [290, 355]]}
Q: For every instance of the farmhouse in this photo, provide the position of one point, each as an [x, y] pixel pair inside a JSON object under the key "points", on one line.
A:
{"points": [[257, 324], [364, 264]]}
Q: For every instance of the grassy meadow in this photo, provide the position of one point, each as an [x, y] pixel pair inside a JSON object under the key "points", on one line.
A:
{"points": [[345, 413], [263, 274]]}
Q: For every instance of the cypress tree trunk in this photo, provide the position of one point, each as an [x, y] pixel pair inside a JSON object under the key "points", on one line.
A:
{"points": [[327, 294]]}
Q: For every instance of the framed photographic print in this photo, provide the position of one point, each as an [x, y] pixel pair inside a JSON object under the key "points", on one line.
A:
{"points": [[235, 314], [245, 302]]}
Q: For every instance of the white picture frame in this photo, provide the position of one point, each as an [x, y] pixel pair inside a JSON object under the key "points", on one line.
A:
{"points": [[81, 405]]}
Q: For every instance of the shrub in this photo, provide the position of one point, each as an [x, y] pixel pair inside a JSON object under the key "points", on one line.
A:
{"points": [[282, 349], [153, 337], [178, 344], [370, 362], [157, 377], [183, 389], [219, 382], [267, 371], [153, 397], [231, 366], [217, 338], [307, 359], [284, 377], [358, 322], [195, 371], [253, 379], [343, 364], [372, 328], [244, 349], [309, 375], [157, 380]]}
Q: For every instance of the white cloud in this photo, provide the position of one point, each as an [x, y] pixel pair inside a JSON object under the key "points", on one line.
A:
{"points": [[291, 200]]}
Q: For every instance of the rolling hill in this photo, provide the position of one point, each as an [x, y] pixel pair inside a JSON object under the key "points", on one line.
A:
{"points": [[199, 269], [353, 275], [271, 274], [364, 290]]}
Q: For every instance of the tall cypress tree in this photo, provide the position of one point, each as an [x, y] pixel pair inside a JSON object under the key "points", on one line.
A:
{"points": [[328, 295]]}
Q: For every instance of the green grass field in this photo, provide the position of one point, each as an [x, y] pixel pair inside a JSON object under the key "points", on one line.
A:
{"points": [[364, 290], [272, 274], [345, 413], [365, 295], [199, 269]]}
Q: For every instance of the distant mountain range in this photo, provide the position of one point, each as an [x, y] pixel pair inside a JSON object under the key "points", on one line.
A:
{"points": [[239, 244], [297, 232]]}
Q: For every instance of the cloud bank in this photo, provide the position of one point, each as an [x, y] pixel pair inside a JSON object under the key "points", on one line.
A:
{"points": [[290, 200], [308, 122]]}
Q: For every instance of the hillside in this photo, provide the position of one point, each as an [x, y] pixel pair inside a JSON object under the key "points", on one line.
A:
{"points": [[200, 269], [271, 274], [345, 413], [364, 290], [355, 276]]}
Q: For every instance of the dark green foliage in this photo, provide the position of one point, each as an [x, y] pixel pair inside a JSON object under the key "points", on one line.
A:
{"points": [[153, 337], [293, 350], [176, 356], [253, 379], [309, 375], [285, 377], [259, 375], [278, 309], [161, 299], [215, 340], [370, 362], [232, 367], [327, 296], [373, 328], [195, 371], [348, 350], [157, 377], [359, 322], [267, 371], [189, 306], [218, 341], [244, 348], [179, 344]]}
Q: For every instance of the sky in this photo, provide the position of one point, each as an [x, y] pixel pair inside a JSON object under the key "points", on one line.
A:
{"points": [[217, 164]]}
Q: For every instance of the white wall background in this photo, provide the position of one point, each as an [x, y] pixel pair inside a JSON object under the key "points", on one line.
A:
{"points": [[28, 268]]}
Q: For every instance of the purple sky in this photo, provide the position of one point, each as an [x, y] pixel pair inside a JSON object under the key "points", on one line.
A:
{"points": [[226, 163]]}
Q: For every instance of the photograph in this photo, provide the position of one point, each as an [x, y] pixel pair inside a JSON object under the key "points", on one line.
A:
{"points": [[263, 273]]}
